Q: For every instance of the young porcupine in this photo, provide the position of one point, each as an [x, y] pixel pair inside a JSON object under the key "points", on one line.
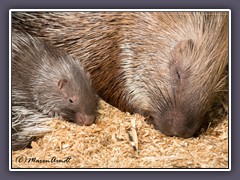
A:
{"points": [[167, 66], [46, 82]]}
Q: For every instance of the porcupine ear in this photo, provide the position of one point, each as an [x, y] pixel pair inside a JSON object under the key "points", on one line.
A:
{"points": [[182, 48], [179, 70], [62, 83]]}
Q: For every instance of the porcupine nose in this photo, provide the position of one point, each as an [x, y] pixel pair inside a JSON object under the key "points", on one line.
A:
{"points": [[177, 123], [83, 119]]}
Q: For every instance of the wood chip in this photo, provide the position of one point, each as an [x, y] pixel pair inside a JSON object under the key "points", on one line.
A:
{"points": [[106, 145]]}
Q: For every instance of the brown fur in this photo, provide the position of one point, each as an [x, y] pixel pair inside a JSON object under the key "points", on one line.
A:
{"points": [[46, 82], [165, 65]]}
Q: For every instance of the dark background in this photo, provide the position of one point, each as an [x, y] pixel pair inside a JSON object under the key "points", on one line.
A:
{"points": [[234, 5]]}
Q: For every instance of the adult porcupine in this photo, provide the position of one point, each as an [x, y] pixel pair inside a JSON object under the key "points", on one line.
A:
{"points": [[168, 66]]}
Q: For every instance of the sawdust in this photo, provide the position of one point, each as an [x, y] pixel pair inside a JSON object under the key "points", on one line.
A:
{"points": [[114, 142]]}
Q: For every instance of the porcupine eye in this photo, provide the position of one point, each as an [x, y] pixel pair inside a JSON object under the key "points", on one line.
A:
{"points": [[72, 99]]}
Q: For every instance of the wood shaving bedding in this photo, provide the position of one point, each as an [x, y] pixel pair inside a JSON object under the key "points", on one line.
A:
{"points": [[109, 143]]}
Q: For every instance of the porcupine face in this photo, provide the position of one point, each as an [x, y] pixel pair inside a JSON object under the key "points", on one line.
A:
{"points": [[195, 74]]}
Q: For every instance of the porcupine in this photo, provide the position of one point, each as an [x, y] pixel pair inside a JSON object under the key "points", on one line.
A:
{"points": [[46, 83], [167, 66]]}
